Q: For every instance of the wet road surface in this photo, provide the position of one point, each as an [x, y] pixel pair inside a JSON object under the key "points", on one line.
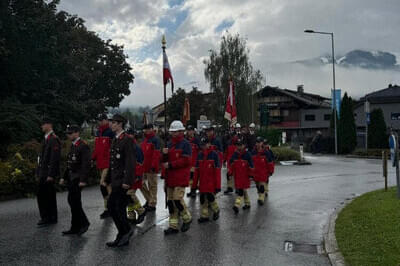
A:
{"points": [[300, 201]]}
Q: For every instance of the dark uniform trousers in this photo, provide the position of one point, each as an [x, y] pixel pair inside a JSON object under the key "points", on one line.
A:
{"points": [[79, 218], [122, 171], [117, 203], [47, 201], [49, 166]]}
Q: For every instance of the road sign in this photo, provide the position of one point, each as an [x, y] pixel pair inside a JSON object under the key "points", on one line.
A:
{"points": [[392, 147]]}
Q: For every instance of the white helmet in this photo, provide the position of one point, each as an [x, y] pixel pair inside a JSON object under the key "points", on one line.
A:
{"points": [[176, 126], [237, 125], [252, 125]]}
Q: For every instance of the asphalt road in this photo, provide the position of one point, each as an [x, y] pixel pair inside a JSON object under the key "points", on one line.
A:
{"points": [[297, 209]]}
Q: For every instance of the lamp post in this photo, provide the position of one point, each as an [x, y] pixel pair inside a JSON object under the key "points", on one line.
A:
{"points": [[334, 81]]}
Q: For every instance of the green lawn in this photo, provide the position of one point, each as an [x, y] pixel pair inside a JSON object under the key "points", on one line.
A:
{"points": [[368, 229]]}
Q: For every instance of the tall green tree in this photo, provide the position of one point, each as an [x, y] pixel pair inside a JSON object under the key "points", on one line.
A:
{"points": [[232, 61], [347, 135], [377, 130], [50, 62]]}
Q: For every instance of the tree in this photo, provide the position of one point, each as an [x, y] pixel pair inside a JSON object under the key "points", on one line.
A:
{"points": [[347, 135], [232, 61], [50, 62], [377, 134], [175, 105]]}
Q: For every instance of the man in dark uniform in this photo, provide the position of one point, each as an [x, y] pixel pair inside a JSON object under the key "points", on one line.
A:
{"points": [[47, 171], [195, 143], [78, 167], [101, 154], [121, 177], [251, 137]]}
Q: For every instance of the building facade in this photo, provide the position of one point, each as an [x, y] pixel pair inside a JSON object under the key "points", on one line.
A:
{"points": [[297, 113]]}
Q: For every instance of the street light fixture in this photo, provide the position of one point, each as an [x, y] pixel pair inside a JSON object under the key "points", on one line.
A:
{"points": [[334, 81]]}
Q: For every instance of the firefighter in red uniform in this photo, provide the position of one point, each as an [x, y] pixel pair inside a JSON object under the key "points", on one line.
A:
{"points": [[151, 151], [216, 146], [241, 167], [135, 211], [177, 162], [262, 169], [195, 143], [271, 165], [207, 165], [230, 150], [101, 154]]}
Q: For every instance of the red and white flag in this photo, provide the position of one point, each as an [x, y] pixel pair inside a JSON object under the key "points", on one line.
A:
{"points": [[230, 110], [167, 74]]}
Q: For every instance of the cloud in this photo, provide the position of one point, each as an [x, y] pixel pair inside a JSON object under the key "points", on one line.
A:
{"points": [[273, 30]]}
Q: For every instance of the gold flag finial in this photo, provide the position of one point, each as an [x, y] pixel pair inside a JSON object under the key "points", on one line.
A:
{"points": [[163, 41]]}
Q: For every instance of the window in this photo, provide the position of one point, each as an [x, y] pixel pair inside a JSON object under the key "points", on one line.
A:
{"points": [[327, 117], [395, 116], [310, 118]]}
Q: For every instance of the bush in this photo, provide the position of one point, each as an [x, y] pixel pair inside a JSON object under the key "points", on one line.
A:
{"points": [[273, 135], [369, 152], [17, 171], [285, 154]]}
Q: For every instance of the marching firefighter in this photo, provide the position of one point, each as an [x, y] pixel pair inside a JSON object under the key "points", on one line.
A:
{"points": [[262, 169], [101, 154], [78, 167], [177, 163], [217, 147], [271, 165], [241, 167], [207, 165], [121, 177], [230, 150], [195, 143], [135, 211], [151, 151], [47, 171]]}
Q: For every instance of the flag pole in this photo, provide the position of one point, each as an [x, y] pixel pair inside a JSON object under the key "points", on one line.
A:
{"points": [[164, 42], [165, 157]]}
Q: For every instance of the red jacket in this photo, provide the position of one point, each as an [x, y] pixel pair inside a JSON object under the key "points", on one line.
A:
{"points": [[101, 152], [207, 168], [241, 166], [151, 151], [262, 167], [179, 161]]}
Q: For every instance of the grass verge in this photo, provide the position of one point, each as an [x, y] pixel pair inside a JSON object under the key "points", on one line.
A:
{"points": [[368, 229]]}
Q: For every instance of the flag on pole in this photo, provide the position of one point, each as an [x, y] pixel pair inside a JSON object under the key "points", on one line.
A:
{"points": [[230, 110], [186, 111], [167, 74], [144, 120]]}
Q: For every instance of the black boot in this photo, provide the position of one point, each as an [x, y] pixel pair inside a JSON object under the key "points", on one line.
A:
{"points": [[235, 209], [185, 226], [83, 229], [70, 232], [246, 207], [216, 215], [105, 214], [114, 243], [170, 231], [260, 202], [228, 191], [203, 220], [140, 218]]}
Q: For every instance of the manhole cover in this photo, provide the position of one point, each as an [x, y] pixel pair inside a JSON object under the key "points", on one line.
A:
{"points": [[291, 246]]}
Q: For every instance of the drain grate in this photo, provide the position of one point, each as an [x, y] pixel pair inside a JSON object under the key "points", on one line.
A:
{"points": [[291, 246]]}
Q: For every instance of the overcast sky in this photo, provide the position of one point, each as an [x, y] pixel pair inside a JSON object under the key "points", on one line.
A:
{"points": [[273, 29]]}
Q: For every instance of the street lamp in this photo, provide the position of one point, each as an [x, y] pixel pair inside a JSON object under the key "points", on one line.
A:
{"points": [[334, 82]]}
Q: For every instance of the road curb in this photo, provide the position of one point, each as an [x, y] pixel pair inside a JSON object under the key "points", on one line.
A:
{"points": [[331, 247]]}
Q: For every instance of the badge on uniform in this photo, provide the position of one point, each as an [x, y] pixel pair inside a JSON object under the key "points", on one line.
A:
{"points": [[118, 156]]}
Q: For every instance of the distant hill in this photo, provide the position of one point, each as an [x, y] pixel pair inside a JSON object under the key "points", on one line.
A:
{"points": [[377, 60]]}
